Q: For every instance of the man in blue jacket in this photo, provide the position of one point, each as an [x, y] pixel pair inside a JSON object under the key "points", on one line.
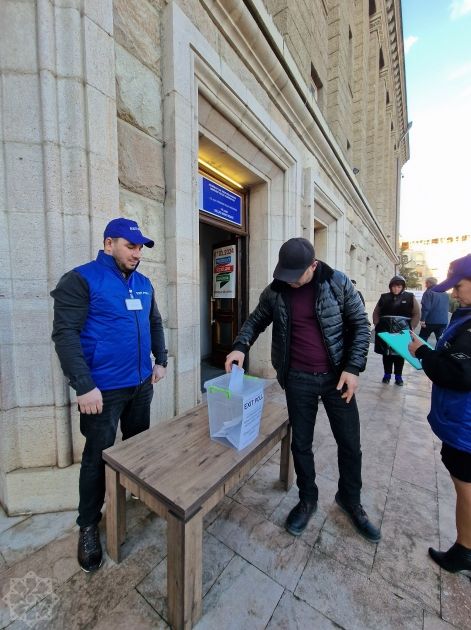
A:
{"points": [[106, 324], [434, 315]]}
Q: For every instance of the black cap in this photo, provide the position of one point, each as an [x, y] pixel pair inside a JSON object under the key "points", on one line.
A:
{"points": [[294, 258]]}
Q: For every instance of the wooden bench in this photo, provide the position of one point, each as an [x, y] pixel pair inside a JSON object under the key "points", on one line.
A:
{"points": [[181, 474]]}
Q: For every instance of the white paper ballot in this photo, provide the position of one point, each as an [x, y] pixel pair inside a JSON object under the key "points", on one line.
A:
{"points": [[236, 382]]}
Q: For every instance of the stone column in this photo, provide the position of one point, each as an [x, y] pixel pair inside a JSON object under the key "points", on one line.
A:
{"points": [[59, 187]]}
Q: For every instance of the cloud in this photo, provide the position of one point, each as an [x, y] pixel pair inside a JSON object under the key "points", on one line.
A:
{"points": [[460, 71], [409, 42], [458, 8]]}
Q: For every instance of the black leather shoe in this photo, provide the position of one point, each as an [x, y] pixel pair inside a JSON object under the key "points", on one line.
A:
{"points": [[360, 520], [457, 558], [299, 517], [89, 555]]}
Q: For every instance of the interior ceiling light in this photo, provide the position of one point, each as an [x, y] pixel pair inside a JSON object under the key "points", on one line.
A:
{"points": [[215, 170]]}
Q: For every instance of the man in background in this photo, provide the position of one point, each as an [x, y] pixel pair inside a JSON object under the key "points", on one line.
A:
{"points": [[106, 324], [434, 314]]}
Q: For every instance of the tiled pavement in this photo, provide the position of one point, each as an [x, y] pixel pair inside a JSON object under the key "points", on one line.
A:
{"points": [[255, 574]]}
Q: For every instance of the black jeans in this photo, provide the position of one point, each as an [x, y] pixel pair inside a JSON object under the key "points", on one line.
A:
{"points": [[436, 329], [303, 391], [390, 360], [132, 406]]}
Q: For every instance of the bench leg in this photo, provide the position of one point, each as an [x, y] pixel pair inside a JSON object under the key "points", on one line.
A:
{"points": [[286, 460], [115, 513], [184, 570]]}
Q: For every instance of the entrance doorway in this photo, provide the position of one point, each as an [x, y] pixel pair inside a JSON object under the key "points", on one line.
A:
{"points": [[223, 287]]}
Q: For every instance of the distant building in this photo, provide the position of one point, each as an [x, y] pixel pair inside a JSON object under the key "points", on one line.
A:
{"points": [[431, 257]]}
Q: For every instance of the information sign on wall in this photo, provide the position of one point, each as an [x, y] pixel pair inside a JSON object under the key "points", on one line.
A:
{"points": [[220, 201], [224, 272]]}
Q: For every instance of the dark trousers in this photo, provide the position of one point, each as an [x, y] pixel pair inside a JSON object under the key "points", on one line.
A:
{"points": [[132, 406], [436, 329], [303, 391], [390, 360]]}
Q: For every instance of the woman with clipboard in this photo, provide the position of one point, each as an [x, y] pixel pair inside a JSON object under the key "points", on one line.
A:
{"points": [[449, 369], [395, 311]]}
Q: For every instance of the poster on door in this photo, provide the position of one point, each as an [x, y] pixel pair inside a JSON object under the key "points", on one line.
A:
{"points": [[224, 272]]}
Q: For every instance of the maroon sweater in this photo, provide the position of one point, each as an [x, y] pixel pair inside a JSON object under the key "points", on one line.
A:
{"points": [[307, 350]]}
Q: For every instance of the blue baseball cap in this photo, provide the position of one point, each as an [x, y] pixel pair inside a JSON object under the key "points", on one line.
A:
{"points": [[128, 229], [458, 270]]}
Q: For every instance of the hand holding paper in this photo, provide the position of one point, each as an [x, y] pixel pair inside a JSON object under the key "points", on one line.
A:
{"points": [[400, 342], [415, 343]]}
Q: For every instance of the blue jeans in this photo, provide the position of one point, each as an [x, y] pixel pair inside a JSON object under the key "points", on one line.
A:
{"points": [[132, 406], [303, 391]]}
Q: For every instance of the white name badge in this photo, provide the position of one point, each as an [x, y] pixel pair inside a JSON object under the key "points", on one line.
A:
{"points": [[133, 304]]}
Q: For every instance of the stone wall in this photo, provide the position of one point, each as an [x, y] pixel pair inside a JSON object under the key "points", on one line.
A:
{"points": [[103, 107]]}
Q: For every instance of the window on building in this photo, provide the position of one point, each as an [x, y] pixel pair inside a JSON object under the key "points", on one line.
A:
{"points": [[372, 7]]}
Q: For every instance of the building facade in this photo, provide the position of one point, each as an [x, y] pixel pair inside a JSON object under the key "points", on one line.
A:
{"points": [[224, 128]]}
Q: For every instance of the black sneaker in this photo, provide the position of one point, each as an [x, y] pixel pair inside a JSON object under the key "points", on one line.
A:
{"points": [[457, 558], [399, 381], [299, 517], [386, 379], [89, 555], [360, 520]]}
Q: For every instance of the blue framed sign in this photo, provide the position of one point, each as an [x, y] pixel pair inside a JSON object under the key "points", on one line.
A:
{"points": [[219, 201]]}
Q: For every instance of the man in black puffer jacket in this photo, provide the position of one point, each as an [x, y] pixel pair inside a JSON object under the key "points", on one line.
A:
{"points": [[320, 342]]}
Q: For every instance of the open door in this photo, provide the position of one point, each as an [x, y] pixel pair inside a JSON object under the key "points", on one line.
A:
{"points": [[225, 298]]}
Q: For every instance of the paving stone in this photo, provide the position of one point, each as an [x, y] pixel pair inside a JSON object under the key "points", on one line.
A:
{"points": [[269, 548], [88, 597], [351, 599], [153, 587], [292, 612], [31, 534], [133, 612], [243, 597], [410, 525], [263, 492], [9, 521], [456, 599]]}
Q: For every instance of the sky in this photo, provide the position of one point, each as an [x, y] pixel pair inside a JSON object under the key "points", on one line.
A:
{"points": [[436, 182]]}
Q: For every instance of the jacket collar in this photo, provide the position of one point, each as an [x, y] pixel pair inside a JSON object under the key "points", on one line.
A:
{"points": [[110, 262]]}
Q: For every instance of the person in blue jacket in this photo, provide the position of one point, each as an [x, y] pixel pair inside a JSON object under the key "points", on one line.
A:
{"points": [[434, 311], [106, 325], [449, 369]]}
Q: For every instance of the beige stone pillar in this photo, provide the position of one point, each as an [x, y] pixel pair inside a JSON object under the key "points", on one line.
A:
{"points": [[59, 187]]}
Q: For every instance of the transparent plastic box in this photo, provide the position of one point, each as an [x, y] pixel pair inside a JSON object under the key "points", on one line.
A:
{"points": [[234, 416]]}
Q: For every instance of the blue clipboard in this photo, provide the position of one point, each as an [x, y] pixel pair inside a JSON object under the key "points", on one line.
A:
{"points": [[399, 342]]}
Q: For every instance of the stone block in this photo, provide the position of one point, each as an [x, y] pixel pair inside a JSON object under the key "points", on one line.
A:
{"points": [[104, 187], [138, 93], [9, 459], [74, 180], [163, 403], [69, 41], [33, 374], [76, 239], [23, 163], [40, 490], [36, 439], [137, 28], [21, 113], [18, 36], [140, 162], [71, 106], [150, 216], [99, 58], [28, 227], [101, 124], [101, 13]]}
